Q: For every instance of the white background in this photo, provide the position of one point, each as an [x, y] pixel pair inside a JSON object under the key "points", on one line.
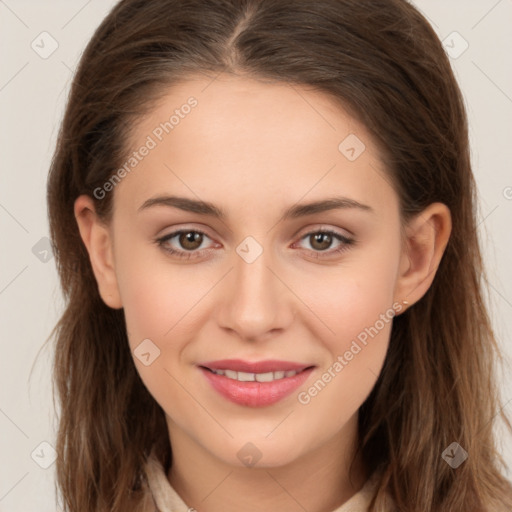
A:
{"points": [[32, 97]]}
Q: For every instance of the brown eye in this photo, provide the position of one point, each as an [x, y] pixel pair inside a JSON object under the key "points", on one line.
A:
{"points": [[321, 241], [326, 243], [184, 243], [190, 240]]}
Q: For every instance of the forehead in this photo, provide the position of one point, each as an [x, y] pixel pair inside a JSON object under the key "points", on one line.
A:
{"points": [[257, 138], [249, 112]]}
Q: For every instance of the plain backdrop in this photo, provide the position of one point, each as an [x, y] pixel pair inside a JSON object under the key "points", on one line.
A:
{"points": [[40, 44]]}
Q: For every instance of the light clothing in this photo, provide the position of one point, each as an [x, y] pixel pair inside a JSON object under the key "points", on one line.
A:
{"points": [[161, 497]]}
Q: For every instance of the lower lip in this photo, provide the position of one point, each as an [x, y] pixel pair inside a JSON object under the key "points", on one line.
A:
{"points": [[255, 394]]}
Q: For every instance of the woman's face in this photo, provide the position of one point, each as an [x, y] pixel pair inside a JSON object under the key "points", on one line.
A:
{"points": [[261, 282]]}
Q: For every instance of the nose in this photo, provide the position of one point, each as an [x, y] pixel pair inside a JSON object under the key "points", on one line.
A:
{"points": [[256, 302]]}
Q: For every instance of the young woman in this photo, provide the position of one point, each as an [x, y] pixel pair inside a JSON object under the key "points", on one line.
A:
{"points": [[263, 214]]}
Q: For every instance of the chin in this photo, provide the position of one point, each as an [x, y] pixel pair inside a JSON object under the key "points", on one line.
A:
{"points": [[261, 454]]}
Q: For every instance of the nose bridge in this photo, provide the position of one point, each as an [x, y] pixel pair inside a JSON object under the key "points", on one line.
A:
{"points": [[254, 304], [252, 274]]}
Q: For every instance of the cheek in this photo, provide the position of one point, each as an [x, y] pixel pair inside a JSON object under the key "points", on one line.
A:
{"points": [[355, 355], [158, 296], [354, 297], [158, 302], [163, 304], [360, 315], [357, 306]]}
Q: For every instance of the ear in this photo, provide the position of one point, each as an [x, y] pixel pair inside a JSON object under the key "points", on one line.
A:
{"points": [[97, 238], [426, 237]]}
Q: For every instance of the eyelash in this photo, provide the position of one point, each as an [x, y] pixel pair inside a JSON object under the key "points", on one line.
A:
{"points": [[347, 242]]}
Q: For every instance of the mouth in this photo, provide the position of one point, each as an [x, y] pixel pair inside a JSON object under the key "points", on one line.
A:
{"points": [[256, 377], [267, 383]]}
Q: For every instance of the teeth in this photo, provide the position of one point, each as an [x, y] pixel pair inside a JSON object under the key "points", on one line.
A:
{"points": [[255, 377], [245, 377], [265, 377]]}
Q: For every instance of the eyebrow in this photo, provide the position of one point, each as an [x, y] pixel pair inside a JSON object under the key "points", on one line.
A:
{"points": [[293, 212]]}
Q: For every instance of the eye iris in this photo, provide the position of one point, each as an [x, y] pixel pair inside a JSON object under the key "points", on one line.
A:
{"points": [[189, 240], [322, 237]]}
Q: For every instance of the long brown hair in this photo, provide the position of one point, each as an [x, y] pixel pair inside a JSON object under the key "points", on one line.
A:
{"points": [[381, 60]]}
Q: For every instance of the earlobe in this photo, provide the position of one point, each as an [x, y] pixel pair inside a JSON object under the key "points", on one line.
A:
{"points": [[427, 236], [98, 242]]}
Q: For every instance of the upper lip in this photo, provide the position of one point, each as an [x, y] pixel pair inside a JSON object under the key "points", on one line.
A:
{"points": [[269, 365]]}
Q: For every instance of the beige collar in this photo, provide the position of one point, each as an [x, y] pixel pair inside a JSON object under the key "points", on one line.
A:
{"points": [[166, 499]]}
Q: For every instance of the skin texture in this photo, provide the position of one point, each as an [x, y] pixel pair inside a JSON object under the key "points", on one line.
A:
{"points": [[255, 148]]}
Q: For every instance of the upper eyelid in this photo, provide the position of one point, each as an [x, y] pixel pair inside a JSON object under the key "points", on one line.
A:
{"points": [[179, 231], [305, 231], [300, 237], [344, 233]]}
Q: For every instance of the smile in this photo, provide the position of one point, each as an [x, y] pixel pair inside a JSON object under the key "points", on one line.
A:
{"points": [[255, 389], [255, 377]]}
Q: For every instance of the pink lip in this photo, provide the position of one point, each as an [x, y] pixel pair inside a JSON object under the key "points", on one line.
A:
{"points": [[238, 365], [255, 394]]}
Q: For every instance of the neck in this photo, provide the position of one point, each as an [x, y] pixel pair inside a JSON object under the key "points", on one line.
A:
{"points": [[319, 481]]}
